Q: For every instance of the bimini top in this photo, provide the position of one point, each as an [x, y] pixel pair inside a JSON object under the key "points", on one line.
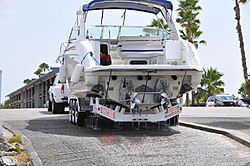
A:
{"points": [[151, 6]]}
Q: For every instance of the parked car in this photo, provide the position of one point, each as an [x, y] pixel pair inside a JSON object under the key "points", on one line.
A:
{"points": [[58, 96], [242, 104], [221, 100]]}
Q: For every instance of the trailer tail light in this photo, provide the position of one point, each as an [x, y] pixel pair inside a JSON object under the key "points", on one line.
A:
{"points": [[180, 108], [62, 89]]}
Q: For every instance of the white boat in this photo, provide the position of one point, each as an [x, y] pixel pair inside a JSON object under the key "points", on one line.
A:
{"points": [[123, 71]]}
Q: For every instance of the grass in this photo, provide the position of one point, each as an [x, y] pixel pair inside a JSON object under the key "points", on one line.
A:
{"points": [[15, 138], [18, 149], [22, 156], [23, 159]]}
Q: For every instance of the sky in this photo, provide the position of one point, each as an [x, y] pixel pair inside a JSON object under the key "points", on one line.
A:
{"points": [[31, 33]]}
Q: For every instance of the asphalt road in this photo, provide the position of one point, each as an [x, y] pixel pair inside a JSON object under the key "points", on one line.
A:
{"points": [[57, 142], [232, 118]]}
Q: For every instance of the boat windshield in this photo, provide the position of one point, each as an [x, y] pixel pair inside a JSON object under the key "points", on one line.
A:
{"points": [[113, 23], [114, 32], [121, 17]]}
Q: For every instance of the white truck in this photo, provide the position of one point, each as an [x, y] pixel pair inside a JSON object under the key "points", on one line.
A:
{"points": [[58, 96], [125, 72]]}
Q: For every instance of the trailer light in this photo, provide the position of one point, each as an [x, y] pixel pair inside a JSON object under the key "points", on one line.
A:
{"points": [[145, 119], [180, 108], [134, 119], [99, 109]]}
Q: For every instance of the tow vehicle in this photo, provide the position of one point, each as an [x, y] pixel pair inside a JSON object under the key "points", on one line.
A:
{"points": [[58, 96]]}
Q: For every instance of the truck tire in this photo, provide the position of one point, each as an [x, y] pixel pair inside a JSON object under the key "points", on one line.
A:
{"points": [[55, 107], [61, 107], [50, 106]]}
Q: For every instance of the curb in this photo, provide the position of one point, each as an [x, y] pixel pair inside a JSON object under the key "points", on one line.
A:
{"points": [[235, 135], [27, 144]]}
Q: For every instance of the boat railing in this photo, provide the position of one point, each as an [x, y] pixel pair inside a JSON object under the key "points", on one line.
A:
{"points": [[63, 47], [111, 32]]}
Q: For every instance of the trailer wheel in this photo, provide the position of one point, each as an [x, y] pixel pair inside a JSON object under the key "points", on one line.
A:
{"points": [[174, 120], [75, 113], [80, 119], [71, 111], [73, 116]]}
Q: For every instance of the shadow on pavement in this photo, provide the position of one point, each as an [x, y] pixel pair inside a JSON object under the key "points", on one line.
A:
{"points": [[49, 113], [64, 127]]}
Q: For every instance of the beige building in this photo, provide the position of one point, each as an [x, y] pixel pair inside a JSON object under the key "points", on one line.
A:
{"points": [[34, 94]]}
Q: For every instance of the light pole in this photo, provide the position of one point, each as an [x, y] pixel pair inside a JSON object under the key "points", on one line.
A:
{"points": [[0, 85]]}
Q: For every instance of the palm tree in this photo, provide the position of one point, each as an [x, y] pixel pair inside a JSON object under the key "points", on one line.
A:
{"points": [[240, 36], [27, 81], [158, 23], [195, 33], [155, 23], [244, 89], [200, 95], [44, 66], [38, 72], [211, 82], [187, 12]]}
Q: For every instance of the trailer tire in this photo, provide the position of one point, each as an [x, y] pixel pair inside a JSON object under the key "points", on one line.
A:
{"points": [[74, 113], [77, 116], [174, 120], [81, 119], [71, 111]]}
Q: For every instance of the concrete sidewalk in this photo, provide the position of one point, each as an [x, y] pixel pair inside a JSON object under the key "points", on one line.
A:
{"points": [[7, 133]]}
